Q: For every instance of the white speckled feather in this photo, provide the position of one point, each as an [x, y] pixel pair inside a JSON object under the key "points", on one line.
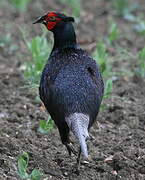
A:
{"points": [[78, 124]]}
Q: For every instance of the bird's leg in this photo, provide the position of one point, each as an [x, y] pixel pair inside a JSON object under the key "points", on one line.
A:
{"points": [[91, 137], [70, 148], [64, 134], [78, 161], [79, 155], [76, 168]]}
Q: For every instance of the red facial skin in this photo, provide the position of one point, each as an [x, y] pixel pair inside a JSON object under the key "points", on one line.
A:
{"points": [[51, 20]]}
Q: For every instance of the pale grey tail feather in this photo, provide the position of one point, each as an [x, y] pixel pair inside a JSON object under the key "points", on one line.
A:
{"points": [[78, 124]]}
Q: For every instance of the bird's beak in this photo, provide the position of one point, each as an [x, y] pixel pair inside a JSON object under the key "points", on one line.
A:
{"points": [[39, 20]]}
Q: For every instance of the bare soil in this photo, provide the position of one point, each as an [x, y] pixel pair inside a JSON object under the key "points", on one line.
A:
{"points": [[119, 132]]}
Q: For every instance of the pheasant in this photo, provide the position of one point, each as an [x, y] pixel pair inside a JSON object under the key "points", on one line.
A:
{"points": [[71, 85]]}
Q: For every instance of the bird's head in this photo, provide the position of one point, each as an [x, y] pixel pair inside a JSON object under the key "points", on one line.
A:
{"points": [[52, 19]]}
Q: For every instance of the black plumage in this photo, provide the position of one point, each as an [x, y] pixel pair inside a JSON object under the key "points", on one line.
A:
{"points": [[71, 86]]}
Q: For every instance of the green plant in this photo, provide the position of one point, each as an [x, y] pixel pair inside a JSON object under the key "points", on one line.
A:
{"points": [[7, 45], [5, 40], [141, 63], [21, 5], [101, 57], [121, 6], [107, 92], [39, 49], [108, 88], [75, 5], [140, 26], [23, 167], [124, 7], [46, 126], [139, 22], [113, 33]]}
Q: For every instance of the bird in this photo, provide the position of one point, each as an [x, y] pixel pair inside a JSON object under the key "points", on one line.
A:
{"points": [[71, 85]]}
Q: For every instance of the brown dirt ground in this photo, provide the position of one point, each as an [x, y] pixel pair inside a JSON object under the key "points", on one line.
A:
{"points": [[120, 129]]}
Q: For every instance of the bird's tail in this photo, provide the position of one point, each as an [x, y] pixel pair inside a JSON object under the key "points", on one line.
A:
{"points": [[78, 124]]}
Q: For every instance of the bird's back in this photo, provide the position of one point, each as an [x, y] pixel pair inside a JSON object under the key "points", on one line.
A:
{"points": [[71, 82]]}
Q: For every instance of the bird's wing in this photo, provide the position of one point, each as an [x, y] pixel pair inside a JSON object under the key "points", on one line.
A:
{"points": [[44, 88], [95, 74], [48, 77], [45, 83]]}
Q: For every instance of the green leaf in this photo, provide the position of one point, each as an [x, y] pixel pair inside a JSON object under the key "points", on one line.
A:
{"points": [[141, 63], [22, 165], [113, 32], [121, 6], [39, 49], [21, 5], [101, 57], [140, 27], [45, 126], [75, 5], [36, 174], [108, 88]]}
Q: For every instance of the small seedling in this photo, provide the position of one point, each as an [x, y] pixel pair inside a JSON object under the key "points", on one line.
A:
{"points": [[46, 126], [39, 49], [141, 63], [108, 88], [113, 33], [7, 45], [23, 161], [107, 93], [21, 5], [75, 5], [123, 7], [139, 27], [5, 40], [101, 57]]}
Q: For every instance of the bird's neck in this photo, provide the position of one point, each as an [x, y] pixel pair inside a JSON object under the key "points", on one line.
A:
{"points": [[64, 36]]}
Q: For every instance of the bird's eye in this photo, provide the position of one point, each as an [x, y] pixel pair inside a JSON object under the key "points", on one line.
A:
{"points": [[52, 18]]}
